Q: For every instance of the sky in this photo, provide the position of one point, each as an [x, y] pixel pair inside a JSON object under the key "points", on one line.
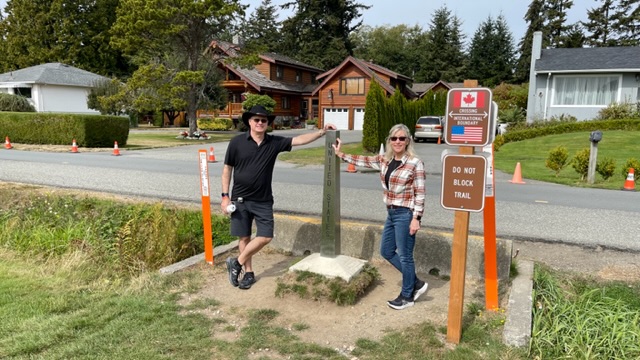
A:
{"points": [[419, 12], [471, 12]]}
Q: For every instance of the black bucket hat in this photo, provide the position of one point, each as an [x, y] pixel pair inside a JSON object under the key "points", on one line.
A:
{"points": [[257, 110]]}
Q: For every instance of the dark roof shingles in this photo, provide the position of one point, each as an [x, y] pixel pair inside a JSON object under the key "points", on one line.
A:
{"points": [[577, 59]]}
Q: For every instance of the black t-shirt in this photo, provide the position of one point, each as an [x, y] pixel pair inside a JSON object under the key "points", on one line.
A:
{"points": [[393, 164], [253, 165]]}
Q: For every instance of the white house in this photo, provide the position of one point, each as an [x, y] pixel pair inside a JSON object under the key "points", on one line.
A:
{"points": [[581, 81], [52, 87]]}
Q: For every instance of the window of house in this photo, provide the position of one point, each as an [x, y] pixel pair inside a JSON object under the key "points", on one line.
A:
{"points": [[279, 72], [586, 90], [23, 91], [298, 75], [352, 86], [286, 103]]}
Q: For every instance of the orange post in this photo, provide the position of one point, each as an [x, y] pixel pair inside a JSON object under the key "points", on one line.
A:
{"points": [[490, 251], [206, 206]]}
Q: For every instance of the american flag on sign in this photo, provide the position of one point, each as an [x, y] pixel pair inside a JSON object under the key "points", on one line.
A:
{"points": [[466, 133]]}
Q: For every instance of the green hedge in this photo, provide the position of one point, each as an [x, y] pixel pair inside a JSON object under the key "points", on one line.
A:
{"points": [[61, 129], [565, 127]]}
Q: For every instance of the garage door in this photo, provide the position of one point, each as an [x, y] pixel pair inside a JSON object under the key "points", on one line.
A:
{"points": [[358, 119], [338, 117]]}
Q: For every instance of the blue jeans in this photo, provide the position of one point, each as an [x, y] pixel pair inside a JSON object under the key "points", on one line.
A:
{"points": [[397, 246]]}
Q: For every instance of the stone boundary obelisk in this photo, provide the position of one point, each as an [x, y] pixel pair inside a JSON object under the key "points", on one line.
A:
{"points": [[329, 262]]}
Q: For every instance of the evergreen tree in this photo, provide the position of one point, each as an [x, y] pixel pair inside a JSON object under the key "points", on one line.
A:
{"points": [[535, 17], [72, 32], [599, 25], [556, 18], [444, 58], [170, 38], [318, 32], [491, 54], [262, 30], [627, 22]]}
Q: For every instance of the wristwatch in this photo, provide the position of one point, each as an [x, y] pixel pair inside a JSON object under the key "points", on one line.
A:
{"points": [[419, 218], [224, 194]]}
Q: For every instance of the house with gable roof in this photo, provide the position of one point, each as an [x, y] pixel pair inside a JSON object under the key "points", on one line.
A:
{"points": [[581, 81], [288, 81], [422, 88], [52, 87], [342, 95]]}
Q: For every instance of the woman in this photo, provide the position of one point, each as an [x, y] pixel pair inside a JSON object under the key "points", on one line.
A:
{"points": [[403, 180]]}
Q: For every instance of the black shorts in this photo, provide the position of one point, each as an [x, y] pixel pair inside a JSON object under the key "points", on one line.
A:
{"points": [[246, 212]]}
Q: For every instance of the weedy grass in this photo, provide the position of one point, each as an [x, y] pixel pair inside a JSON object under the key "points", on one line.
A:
{"points": [[127, 238], [582, 318], [308, 285]]}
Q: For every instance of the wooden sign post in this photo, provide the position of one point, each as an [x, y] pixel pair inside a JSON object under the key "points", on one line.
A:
{"points": [[468, 119]]}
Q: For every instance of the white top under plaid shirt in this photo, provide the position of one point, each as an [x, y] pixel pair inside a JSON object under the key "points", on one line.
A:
{"points": [[406, 183]]}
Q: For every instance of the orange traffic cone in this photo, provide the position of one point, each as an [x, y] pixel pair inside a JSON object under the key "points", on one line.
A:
{"points": [[351, 168], [116, 151], [438, 140], [7, 143], [74, 146], [212, 157], [630, 183], [517, 175]]}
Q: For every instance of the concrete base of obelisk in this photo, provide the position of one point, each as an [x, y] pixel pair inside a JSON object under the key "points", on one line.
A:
{"points": [[344, 267]]}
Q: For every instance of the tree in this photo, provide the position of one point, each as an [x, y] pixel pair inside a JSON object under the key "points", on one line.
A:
{"points": [[261, 29], [102, 89], [536, 18], [443, 58], [172, 35], [397, 48], [72, 32], [318, 32], [600, 25], [627, 22], [556, 18], [491, 54]]}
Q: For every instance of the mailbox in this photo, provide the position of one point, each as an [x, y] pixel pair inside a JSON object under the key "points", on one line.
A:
{"points": [[595, 136]]}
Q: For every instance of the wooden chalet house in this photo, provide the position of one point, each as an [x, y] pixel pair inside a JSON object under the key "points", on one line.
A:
{"points": [[342, 95], [289, 82], [422, 88]]}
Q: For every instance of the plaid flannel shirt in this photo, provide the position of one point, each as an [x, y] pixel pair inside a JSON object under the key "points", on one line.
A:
{"points": [[406, 183]]}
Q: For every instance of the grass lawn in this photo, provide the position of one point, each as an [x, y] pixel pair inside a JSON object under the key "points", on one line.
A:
{"points": [[532, 154], [315, 156], [155, 139]]}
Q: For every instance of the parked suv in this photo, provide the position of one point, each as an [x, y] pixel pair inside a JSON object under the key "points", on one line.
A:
{"points": [[428, 127]]}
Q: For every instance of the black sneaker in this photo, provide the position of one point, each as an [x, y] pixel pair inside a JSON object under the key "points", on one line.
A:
{"points": [[419, 288], [234, 268], [248, 280], [400, 303]]}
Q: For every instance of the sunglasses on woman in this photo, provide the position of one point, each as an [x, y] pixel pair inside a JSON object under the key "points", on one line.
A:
{"points": [[396, 138]]}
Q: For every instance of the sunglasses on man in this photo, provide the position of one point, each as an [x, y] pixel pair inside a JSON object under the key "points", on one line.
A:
{"points": [[260, 120]]}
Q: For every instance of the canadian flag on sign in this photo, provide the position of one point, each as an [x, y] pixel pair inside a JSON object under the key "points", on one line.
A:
{"points": [[468, 99]]}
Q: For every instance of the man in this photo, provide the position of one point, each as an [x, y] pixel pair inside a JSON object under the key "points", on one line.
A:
{"points": [[251, 158]]}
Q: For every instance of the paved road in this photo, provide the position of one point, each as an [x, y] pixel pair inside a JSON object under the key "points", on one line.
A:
{"points": [[535, 211]]}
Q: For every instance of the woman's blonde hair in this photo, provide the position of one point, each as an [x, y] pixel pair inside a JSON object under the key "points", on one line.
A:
{"points": [[388, 155]]}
